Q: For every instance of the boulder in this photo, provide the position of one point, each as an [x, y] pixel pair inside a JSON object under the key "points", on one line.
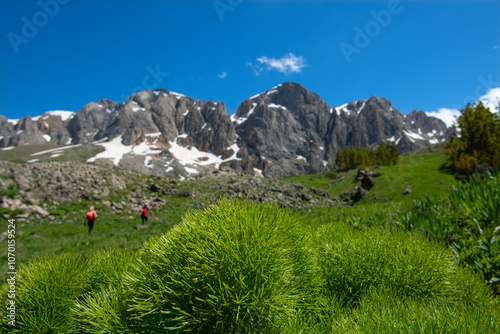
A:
{"points": [[320, 192], [38, 210], [140, 227], [155, 188], [116, 206], [359, 194], [367, 182], [363, 173]]}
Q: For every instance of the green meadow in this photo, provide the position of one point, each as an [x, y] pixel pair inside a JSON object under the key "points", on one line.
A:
{"points": [[425, 262]]}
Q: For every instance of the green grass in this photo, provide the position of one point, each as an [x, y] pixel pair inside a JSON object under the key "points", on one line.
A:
{"points": [[245, 267], [233, 266], [384, 311], [42, 236], [423, 173], [45, 291], [354, 262], [466, 219], [11, 191], [68, 233], [23, 154]]}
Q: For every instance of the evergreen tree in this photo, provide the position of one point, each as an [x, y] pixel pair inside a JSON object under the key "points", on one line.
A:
{"points": [[362, 157], [393, 149], [477, 144]]}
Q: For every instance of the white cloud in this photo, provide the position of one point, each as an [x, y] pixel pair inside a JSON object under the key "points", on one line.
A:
{"points": [[256, 68], [491, 99], [446, 115], [287, 64], [222, 75]]}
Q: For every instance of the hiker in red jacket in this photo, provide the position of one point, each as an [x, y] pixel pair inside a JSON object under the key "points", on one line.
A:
{"points": [[144, 214], [91, 216]]}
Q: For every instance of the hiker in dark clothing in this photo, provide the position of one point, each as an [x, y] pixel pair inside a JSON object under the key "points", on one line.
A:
{"points": [[144, 214], [91, 216]]}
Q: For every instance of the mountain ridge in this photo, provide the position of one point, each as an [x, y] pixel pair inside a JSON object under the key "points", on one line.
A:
{"points": [[286, 130]]}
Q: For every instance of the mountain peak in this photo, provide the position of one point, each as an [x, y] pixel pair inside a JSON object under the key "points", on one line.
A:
{"points": [[283, 131]]}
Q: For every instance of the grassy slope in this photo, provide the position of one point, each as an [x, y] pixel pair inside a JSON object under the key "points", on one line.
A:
{"points": [[423, 173], [115, 230], [25, 153], [68, 234]]}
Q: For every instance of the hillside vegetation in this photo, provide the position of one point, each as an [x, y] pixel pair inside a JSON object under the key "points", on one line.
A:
{"points": [[49, 152], [228, 253]]}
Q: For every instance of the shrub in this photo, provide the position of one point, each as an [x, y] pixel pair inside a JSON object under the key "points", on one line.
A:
{"points": [[55, 291], [384, 311], [332, 175], [478, 141], [103, 308], [102, 312], [56, 212], [466, 219], [46, 289], [361, 157], [355, 261], [107, 268], [11, 191], [12, 213], [236, 267]]}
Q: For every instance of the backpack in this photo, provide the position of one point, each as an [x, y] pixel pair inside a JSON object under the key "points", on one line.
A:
{"points": [[145, 212], [91, 215]]}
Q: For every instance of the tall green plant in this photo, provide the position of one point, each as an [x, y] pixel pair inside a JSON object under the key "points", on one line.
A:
{"points": [[385, 311], [355, 261], [467, 220], [103, 308], [46, 289], [477, 144], [237, 267]]}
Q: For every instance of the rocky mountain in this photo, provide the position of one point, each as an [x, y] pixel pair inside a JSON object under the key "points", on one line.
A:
{"points": [[286, 130]]}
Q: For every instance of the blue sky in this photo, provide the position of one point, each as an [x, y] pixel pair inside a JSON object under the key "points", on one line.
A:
{"points": [[426, 55]]}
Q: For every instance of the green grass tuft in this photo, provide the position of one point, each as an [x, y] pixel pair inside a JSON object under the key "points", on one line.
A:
{"points": [[234, 267], [355, 261], [45, 290]]}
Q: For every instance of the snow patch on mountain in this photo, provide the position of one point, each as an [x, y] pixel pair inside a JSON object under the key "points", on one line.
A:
{"points": [[277, 106], [115, 150], [55, 149], [268, 92], [191, 156], [64, 114], [360, 109], [240, 120], [342, 108]]}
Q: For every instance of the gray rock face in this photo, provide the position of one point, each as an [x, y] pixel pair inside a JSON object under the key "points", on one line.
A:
{"points": [[207, 126], [289, 130], [282, 130], [286, 130], [26, 131]]}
